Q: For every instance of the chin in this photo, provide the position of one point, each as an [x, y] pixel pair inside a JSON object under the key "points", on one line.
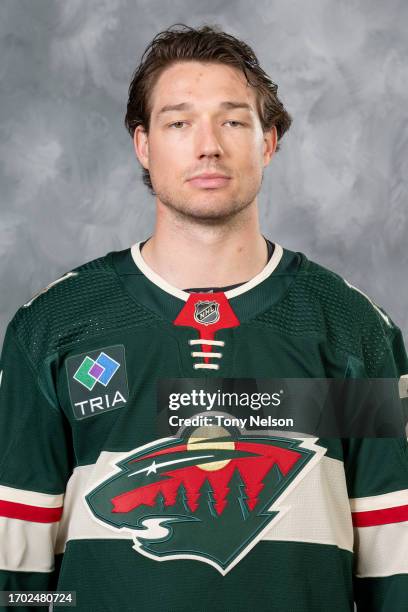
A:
{"points": [[213, 211], [204, 204]]}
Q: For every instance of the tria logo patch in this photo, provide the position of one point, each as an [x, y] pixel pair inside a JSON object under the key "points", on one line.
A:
{"points": [[104, 369], [92, 371], [194, 497]]}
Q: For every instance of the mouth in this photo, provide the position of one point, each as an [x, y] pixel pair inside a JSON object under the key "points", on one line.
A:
{"points": [[208, 181]]}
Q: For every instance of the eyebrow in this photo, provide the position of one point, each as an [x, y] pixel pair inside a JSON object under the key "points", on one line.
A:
{"points": [[228, 104]]}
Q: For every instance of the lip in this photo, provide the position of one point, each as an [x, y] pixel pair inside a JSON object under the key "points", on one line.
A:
{"points": [[209, 180]]}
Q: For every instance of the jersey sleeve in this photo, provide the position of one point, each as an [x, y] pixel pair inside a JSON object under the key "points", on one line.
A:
{"points": [[35, 465], [377, 480]]}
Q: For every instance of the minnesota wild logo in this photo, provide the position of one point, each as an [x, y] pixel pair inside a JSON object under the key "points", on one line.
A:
{"points": [[204, 496]]}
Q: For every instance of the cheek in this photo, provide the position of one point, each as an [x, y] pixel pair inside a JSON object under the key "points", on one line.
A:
{"points": [[251, 152], [166, 164], [251, 164], [169, 154]]}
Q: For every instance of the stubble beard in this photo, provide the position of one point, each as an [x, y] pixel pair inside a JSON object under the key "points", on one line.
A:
{"points": [[206, 210]]}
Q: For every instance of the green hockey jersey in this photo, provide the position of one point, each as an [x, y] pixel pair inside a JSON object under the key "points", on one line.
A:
{"points": [[94, 499]]}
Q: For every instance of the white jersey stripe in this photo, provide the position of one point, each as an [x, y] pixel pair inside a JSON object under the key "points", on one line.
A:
{"points": [[26, 546], [379, 502], [30, 498], [379, 550], [308, 513]]}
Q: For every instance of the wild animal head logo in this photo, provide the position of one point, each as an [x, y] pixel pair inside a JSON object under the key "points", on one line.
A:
{"points": [[207, 498]]}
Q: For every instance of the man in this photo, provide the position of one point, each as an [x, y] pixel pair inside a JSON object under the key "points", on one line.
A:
{"points": [[96, 496]]}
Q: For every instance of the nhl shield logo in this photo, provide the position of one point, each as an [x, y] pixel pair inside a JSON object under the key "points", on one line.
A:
{"points": [[209, 499], [207, 312]]}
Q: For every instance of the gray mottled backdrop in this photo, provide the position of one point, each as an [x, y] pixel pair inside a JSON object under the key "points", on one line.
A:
{"points": [[70, 184]]}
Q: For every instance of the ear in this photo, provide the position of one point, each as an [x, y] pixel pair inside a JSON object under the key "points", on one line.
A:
{"points": [[270, 144], [141, 144]]}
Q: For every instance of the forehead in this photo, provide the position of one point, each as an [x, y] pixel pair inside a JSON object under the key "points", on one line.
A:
{"points": [[199, 82]]}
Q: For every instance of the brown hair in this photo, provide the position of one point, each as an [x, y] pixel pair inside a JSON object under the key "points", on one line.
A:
{"points": [[207, 44]]}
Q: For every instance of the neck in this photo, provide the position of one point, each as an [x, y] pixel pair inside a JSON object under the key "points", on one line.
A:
{"points": [[187, 253]]}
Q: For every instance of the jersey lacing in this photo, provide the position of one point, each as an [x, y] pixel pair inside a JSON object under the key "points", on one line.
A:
{"points": [[208, 366]]}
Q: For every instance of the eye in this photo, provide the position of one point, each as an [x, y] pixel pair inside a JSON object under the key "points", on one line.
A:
{"points": [[179, 124]]}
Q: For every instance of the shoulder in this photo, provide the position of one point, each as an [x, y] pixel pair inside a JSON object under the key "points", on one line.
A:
{"points": [[76, 284], [339, 296], [75, 305], [320, 303], [73, 289], [357, 323]]}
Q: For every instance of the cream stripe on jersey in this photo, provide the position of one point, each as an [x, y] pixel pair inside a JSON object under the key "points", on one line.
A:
{"points": [[26, 546], [30, 498], [379, 550], [379, 502], [318, 511], [315, 509]]}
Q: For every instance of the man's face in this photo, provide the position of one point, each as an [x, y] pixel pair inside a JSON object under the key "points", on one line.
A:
{"points": [[214, 129]]}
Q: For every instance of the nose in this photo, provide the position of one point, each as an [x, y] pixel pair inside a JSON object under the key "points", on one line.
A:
{"points": [[208, 141]]}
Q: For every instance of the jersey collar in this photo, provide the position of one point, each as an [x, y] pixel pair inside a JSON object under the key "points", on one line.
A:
{"points": [[184, 295], [257, 295]]}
